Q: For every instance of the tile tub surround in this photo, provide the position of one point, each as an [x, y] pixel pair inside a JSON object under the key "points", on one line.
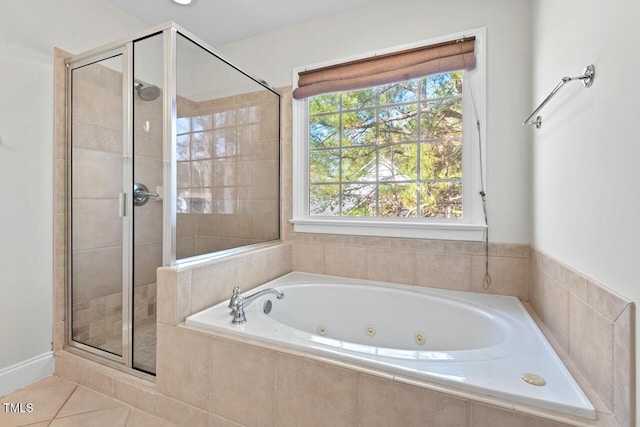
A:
{"points": [[210, 380], [593, 326]]}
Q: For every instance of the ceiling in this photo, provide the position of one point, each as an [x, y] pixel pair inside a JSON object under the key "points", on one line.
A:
{"points": [[220, 22]]}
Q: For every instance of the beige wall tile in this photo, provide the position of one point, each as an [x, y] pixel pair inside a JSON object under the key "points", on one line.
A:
{"points": [[572, 280], [96, 137], [509, 276], [554, 308], [131, 391], [147, 257], [388, 265], [92, 273], [345, 261], [605, 301], [184, 365], [142, 419], [444, 271], [489, 416], [148, 221], [591, 346], [242, 376], [308, 258], [213, 283], [315, 394], [181, 414], [624, 370], [59, 335], [96, 224], [59, 186], [167, 299], [386, 403], [96, 174], [59, 294], [59, 240]]}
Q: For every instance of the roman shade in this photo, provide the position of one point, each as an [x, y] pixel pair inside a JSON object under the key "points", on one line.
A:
{"points": [[388, 68]]}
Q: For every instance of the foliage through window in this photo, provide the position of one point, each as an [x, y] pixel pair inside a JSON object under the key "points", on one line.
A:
{"points": [[388, 151]]}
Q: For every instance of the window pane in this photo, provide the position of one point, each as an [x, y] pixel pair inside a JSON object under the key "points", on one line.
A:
{"points": [[441, 119], [201, 123], [441, 160], [359, 200], [325, 103], [323, 131], [398, 163], [324, 200], [183, 125], [399, 200], [441, 199], [441, 85], [201, 145], [324, 166], [359, 127], [224, 119], [359, 98], [398, 123], [398, 92], [183, 144], [389, 151], [359, 164]]}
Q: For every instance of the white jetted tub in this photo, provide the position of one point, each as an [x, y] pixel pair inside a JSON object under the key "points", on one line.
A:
{"points": [[476, 342]]}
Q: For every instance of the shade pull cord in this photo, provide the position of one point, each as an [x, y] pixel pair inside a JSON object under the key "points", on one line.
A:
{"points": [[486, 281]]}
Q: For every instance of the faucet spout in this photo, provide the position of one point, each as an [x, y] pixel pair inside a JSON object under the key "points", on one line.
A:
{"points": [[238, 302]]}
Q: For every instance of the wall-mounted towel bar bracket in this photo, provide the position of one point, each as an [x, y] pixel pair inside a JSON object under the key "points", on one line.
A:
{"points": [[587, 80]]}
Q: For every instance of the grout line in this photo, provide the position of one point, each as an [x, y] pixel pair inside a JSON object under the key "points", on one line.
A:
{"points": [[65, 402]]}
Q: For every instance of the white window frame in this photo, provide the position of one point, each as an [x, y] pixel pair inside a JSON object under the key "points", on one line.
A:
{"points": [[471, 227]]}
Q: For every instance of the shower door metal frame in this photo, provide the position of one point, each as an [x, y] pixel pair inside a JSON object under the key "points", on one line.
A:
{"points": [[169, 112], [126, 51]]}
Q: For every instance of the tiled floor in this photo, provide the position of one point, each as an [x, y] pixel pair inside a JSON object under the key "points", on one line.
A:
{"points": [[59, 403]]}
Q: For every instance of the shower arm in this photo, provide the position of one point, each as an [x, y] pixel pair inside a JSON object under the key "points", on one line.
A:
{"points": [[587, 81]]}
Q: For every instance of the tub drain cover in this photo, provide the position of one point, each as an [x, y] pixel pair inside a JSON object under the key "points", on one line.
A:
{"points": [[533, 379]]}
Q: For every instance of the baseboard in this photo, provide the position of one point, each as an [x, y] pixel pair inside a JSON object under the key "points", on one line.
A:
{"points": [[26, 372]]}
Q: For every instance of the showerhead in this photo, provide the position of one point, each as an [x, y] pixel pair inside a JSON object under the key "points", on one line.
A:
{"points": [[146, 93]]}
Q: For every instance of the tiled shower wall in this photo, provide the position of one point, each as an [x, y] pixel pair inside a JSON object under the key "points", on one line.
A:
{"points": [[227, 172]]}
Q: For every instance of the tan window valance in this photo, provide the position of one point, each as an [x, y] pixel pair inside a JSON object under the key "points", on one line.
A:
{"points": [[389, 68]]}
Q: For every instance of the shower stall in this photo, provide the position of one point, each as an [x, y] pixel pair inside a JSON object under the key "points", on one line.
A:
{"points": [[172, 155]]}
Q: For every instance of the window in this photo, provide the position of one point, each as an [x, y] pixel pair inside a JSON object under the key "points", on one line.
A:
{"points": [[399, 159]]}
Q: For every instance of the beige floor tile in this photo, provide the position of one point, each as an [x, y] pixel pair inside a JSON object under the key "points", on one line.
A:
{"points": [[142, 419], [46, 397], [84, 400], [112, 417]]}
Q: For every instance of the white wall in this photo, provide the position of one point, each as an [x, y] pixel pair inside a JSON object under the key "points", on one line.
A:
{"points": [[586, 208], [29, 30], [384, 24]]}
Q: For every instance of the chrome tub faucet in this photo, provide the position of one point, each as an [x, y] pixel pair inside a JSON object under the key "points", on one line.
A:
{"points": [[237, 303]]}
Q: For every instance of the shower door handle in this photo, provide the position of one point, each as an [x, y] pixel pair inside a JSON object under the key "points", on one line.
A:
{"points": [[122, 205]]}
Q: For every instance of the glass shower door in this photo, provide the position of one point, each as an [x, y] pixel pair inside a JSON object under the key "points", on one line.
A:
{"points": [[98, 224]]}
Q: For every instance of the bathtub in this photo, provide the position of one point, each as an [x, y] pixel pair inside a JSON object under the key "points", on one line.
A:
{"points": [[480, 343]]}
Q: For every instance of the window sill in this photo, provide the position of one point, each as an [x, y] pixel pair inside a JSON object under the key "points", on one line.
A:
{"points": [[403, 229]]}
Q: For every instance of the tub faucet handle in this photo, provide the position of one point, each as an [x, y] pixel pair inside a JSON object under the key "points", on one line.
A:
{"points": [[238, 313], [234, 298]]}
